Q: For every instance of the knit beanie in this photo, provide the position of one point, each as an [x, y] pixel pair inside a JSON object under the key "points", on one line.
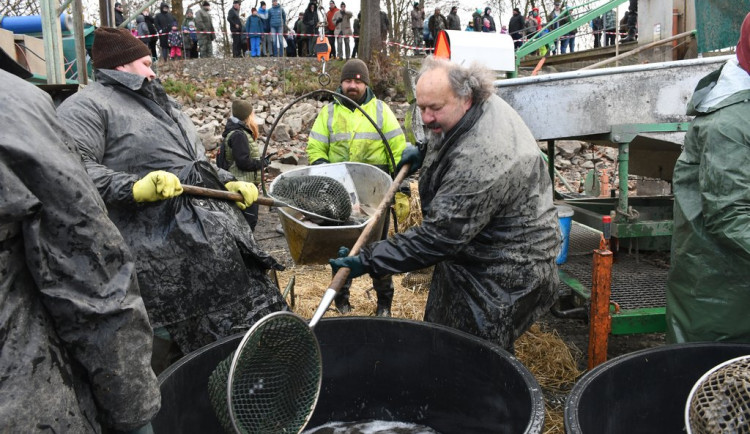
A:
{"points": [[355, 68], [743, 46], [115, 47], [241, 109]]}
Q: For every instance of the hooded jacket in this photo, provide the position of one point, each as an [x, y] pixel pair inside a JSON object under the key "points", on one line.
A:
{"points": [[489, 227], [142, 29], [708, 291], [163, 21], [76, 342], [341, 133], [194, 256]]}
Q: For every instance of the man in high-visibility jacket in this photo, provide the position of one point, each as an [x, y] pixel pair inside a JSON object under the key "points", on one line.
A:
{"points": [[342, 133]]}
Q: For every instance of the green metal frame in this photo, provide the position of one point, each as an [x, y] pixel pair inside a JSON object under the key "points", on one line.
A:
{"points": [[622, 135], [627, 224], [537, 41]]}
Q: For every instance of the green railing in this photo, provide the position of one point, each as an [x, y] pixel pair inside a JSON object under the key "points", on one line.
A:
{"points": [[541, 39]]}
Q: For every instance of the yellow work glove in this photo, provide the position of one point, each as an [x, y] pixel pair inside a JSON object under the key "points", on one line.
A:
{"points": [[157, 185], [248, 190], [402, 207]]}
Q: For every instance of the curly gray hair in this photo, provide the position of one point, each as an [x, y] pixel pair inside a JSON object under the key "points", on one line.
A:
{"points": [[473, 82]]}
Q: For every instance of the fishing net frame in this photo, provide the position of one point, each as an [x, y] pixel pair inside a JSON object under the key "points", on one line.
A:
{"points": [[719, 402], [252, 390]]}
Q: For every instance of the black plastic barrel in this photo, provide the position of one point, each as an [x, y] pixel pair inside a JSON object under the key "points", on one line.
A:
{"points": [[383, 369], [643, 392]]}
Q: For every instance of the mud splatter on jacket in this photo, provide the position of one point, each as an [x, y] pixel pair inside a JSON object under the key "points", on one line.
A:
{"points": [[489, 226], [194, 256], [76, 342]]}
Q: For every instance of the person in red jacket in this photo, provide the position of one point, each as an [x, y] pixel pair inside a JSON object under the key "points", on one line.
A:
{"points": [[331, 27]]}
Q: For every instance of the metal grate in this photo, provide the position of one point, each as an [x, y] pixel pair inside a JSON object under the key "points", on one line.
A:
{"points": [[635, 284]]}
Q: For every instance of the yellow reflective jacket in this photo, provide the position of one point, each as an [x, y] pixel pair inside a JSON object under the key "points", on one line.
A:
{"points": [[340, 134]]}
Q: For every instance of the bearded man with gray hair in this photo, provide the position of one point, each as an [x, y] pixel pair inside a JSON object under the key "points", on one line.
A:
{"points": [[489, 225]]}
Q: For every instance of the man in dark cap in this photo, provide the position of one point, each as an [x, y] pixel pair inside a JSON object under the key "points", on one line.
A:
{"points": [[515, 28], [235, 27], [164, 20], [139, 149], [205, 28], [119, 17], [342, 133], [76, 340]]}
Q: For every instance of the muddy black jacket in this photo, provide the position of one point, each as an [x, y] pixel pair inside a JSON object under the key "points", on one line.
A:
{"points": [[76, 342], [489, 227], [195, 256]]}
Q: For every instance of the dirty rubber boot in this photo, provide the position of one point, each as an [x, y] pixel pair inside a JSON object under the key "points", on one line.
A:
{"points": [[344, 307], [383, 311], [342, 299], [384, 289]]}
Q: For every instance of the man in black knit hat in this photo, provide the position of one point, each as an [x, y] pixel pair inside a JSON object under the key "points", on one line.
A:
{"points": [[139, 149], [342, 133]]}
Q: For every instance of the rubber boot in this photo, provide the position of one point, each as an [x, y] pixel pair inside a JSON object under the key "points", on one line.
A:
{"points": [[342, 298], [384, 289]]}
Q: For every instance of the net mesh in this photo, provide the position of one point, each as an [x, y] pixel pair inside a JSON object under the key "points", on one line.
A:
{"points": [[721, 403], [276, 380], [319, 195]]}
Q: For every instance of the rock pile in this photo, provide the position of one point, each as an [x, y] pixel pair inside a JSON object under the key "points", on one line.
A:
{"points": [[271, 86]]}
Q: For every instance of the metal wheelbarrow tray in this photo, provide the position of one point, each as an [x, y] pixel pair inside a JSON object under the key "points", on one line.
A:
{"points": [[311, 243]]}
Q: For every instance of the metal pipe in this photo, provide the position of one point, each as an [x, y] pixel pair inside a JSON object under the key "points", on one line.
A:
{"points": [[601, 320], [53, 51], [63, 6], [135, 14], [80, 43], [572, 313], [639, 49], [622, 174]]}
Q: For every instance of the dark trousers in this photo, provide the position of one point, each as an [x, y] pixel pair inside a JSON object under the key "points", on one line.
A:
{"points": [[332, 41], [517, 40], [236, 45], [597, 40], [251, 215], [609, 37], [356, 47], [383, 286]]}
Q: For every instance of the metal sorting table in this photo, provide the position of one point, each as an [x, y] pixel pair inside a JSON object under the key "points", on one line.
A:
{"points": [[638, 296]]}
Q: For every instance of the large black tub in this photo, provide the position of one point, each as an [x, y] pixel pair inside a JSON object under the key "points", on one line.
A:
{"points": [[643, 392], [382, 369]]}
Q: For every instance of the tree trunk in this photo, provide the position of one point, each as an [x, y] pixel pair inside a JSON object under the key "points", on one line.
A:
{"points": [[177, 11], [369, 30]]}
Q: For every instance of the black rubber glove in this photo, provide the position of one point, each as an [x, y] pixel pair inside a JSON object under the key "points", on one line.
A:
{"points": [[320, 161], [413, 156], [353, 263]]}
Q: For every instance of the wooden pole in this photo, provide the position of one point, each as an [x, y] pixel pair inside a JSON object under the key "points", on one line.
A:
{"points": [[639, 49]]}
